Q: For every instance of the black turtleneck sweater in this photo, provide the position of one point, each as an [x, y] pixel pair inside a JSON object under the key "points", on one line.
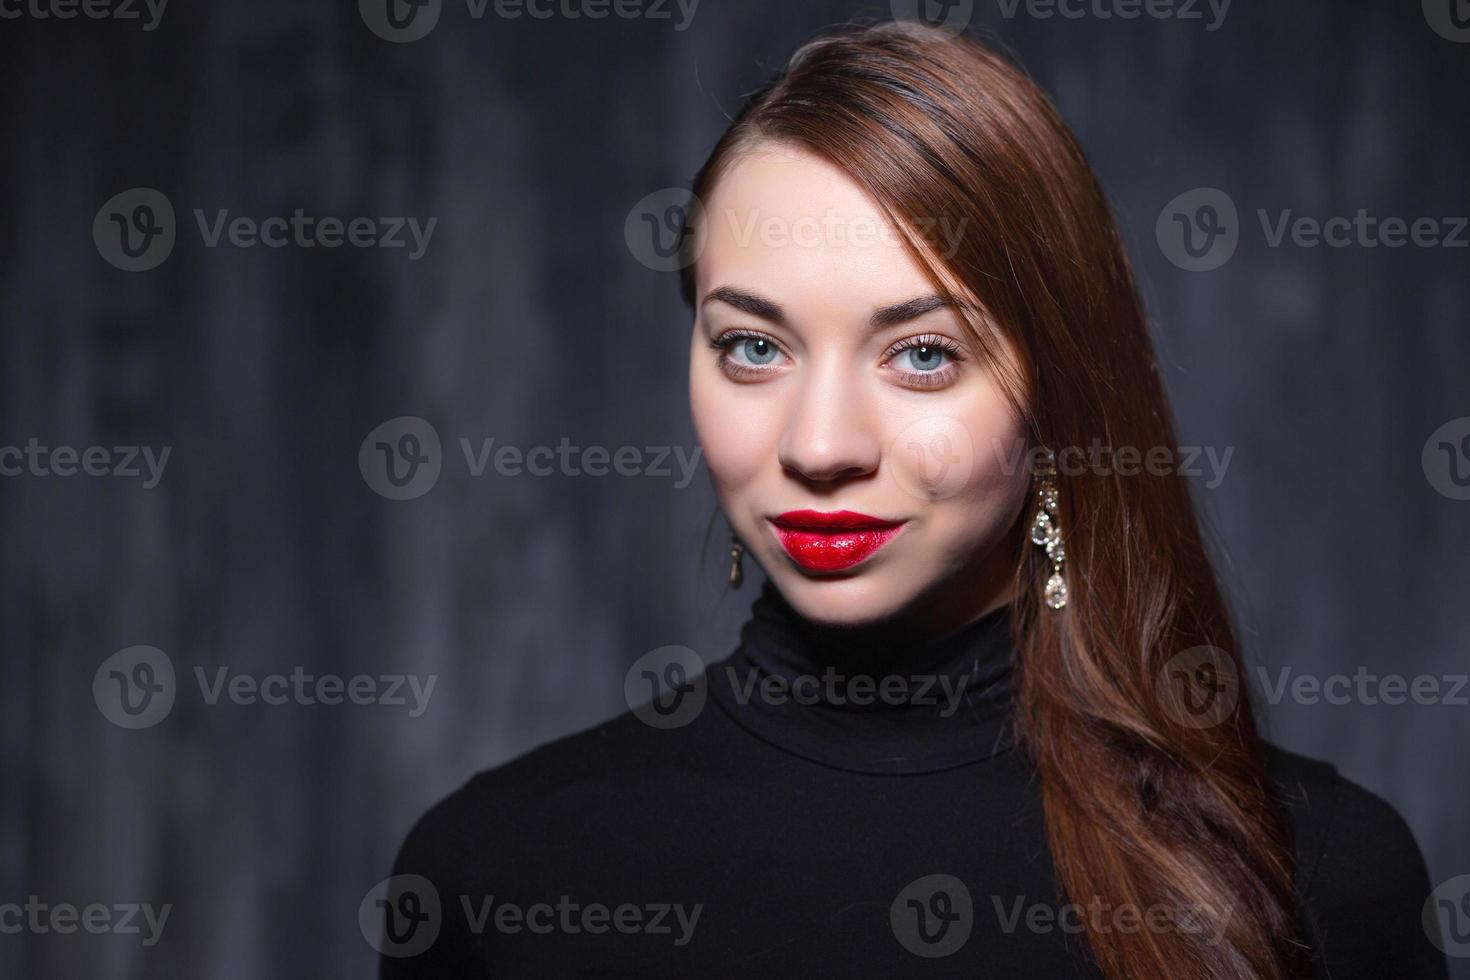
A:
{"points": [[815, 807]]}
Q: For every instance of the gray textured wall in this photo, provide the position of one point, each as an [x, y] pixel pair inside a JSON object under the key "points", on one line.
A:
{"points": [[529, 319]]}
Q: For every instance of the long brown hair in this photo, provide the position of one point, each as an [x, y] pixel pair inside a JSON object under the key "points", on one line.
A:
{"points": [[1143, 807]]}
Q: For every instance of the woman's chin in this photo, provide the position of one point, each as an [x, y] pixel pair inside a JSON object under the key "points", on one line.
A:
{"points": [[851, 599]]}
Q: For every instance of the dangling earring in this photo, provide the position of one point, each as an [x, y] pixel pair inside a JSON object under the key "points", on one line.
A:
{"points": [[737, 566], [1047, 533]]}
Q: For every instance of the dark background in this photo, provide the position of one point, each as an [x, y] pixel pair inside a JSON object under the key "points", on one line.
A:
{"points": [[530, 319]]}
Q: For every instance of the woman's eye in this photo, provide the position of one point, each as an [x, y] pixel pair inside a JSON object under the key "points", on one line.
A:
{"points": [[754, 351], [922, 358], [925, 362], [747, 356]]}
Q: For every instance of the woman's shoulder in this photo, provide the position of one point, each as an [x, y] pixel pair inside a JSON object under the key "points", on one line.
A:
{"points": [[1359, 870], [1330, 813], [593, 768]]}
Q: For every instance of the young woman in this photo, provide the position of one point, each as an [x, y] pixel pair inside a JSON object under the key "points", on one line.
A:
{"points": [[985, 717]]}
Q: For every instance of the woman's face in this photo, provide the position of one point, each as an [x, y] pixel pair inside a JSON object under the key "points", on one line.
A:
{"points": [[860, 448]]}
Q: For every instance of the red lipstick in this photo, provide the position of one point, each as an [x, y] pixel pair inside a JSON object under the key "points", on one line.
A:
{"points": [[831, 542]]}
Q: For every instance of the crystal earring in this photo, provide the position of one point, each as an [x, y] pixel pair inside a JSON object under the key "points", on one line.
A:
{"points": [[737, 566], [1047, 532]]}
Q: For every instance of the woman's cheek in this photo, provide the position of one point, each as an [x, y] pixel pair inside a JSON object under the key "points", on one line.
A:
{"points": [[1000, 480], [967, 457], [738, 435], [932, 458]]}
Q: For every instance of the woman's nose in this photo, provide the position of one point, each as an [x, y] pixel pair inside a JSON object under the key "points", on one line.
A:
{"points": [[829, 434]]}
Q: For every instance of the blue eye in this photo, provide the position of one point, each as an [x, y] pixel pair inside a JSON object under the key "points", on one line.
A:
{"points": [[747, 355], [923, 357], [926, 361], [755, 350]]}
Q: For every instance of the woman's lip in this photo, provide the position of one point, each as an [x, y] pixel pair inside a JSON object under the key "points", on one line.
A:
{"points": [[834, 547], [816, 520]]}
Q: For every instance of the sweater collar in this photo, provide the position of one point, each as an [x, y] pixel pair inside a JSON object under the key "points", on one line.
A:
{"points": [[870, 699]]}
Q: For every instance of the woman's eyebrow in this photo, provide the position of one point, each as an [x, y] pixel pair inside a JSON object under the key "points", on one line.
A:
{"points": [[887, 316], [910, 309], [747, 303]]}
